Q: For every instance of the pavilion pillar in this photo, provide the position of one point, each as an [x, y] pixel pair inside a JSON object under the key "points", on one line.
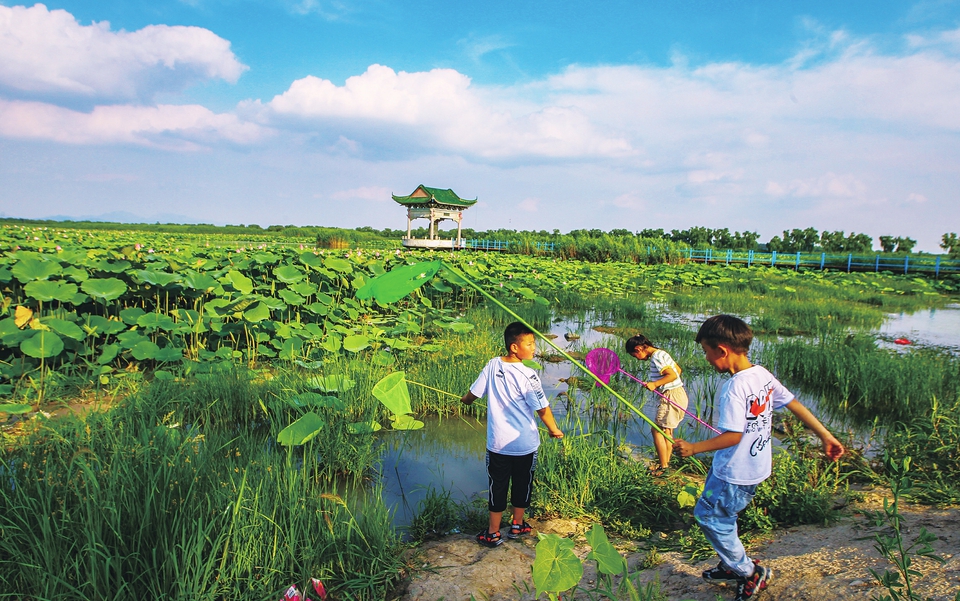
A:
{"points": [[408, 223], [459, 229]]}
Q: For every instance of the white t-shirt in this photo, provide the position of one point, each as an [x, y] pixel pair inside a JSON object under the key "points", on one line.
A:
{"points": [[745, 404], [659, 361], [514, 394]]}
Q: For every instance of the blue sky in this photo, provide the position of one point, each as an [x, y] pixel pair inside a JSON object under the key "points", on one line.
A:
{"points": [[557, 115]]}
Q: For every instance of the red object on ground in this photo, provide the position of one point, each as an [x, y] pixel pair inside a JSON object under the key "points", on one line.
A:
{"points": [[901, 341]]}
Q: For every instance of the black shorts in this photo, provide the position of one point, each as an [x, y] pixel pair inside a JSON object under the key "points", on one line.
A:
{"points": [[510, 471]]}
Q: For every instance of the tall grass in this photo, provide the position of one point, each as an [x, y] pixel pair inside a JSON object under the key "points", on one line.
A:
{"points": [[137, 502]]}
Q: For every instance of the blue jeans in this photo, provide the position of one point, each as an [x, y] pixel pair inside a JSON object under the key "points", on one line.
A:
{"points": [[716, 513]]}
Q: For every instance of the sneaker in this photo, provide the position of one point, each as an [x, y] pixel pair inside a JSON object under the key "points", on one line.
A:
{"points": [[489, 539], [748, 587], [722, 574], [518, 530]]}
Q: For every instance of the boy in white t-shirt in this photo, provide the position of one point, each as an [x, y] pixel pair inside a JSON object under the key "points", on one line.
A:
{"points": [[514, 398], [665, 375], [743, 458]]}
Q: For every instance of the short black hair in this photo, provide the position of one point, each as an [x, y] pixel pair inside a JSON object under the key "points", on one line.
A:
{"points": [[634, 342], [513, 332], [726, 329]]}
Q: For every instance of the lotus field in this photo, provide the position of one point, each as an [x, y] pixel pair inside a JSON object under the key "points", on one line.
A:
{"points": [[244, 391]]}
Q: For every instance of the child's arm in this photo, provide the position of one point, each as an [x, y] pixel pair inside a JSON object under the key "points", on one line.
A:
{"points": [[669, 375], [468, 398], [721, 441], [547, 416], [831, 446]]}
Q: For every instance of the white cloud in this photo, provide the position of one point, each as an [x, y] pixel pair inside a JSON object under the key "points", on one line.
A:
{"points": [[917, 198], [529, 205], [374, 193], [47, 52], [828, 185], [439, 109], [175, 127]]}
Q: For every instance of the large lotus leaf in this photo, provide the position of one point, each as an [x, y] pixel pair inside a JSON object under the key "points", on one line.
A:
{"points": [[393, 392], [356, 343], [169, 354], [15, 408], [609, 561], [312, 399], [145, 349], [304, 288], [405, 422], [157, 278], [363, 427], [46, 291], [339, 265], [331, 343], [317, 308], [104, 289], [332, 383], [65, 328], [130, 339], [292, 347], [240, 282], [108, 353], [461, 327], [326, 299], [200, 281], [314, 330], [28, 269], [265, 258], [154, 321], [257, 313], [112, 266], [130, 315], [5, 274], [301, 431], [288, 274], [383, 358], [10, 334], [42, 344], [100, 326], [399, 282], [291, 298], [309, 258], [76, 274], [556, 567], [274, 304]]}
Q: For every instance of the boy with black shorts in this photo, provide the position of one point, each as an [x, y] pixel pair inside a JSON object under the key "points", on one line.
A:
{"points": [[514, 396]]}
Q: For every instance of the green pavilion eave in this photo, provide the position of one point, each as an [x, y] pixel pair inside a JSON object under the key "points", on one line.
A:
{"points": [[435, 204]]}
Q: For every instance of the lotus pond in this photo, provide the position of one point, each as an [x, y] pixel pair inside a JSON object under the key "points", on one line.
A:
{"points": [[261, 436]]}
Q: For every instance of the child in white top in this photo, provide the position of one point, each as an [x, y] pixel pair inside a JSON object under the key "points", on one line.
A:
{"points": [[514, 396]]}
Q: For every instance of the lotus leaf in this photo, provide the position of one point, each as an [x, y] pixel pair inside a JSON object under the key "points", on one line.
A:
{"points": [[10, 334], [15, 408], [311, 259], [97, 325], [392, 391], [332, 343], [104, 289], [309, 364], [46, 290], [145, 349], [162, 374], [304, 288], [29, 269], [556, 567], [154, 321], [240, 282], [200, 281], [384, 358], [131, 315], [338, 265], [301, 431], [356, 343], [108, 354], [363, 427], [130, 339], [461, 327], [326, 299], [332, 383], [257, 313], [317, 309], [288, 274], [315, 331], [112, 266], [42, 344], [291, 298], [609, 561], [75, 273], [405, 422], [274, 304], [169, 354], [399, 282], [65, 328], [157, 278], [292, 347], [22, 316]]}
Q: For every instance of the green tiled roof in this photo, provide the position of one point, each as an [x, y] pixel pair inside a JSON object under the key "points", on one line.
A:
{"points": [[437, 195]]}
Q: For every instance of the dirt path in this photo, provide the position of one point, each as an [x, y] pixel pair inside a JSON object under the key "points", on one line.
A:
{"points": [[809, 562]]}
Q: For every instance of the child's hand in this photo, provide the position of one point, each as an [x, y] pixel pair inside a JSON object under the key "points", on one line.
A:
{"points": [[650, 386], [683, 447], [556, 434], [833, 449], [468, 398]]}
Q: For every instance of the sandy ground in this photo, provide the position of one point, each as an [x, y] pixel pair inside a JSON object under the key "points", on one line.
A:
{"points": [[822, 563]]}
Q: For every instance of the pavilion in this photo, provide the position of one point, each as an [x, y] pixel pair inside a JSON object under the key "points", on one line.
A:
{"points": [[436, 205]]}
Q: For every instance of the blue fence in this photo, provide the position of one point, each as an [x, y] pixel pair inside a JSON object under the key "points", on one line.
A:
{"points": [[927, 264], [506, 245]]}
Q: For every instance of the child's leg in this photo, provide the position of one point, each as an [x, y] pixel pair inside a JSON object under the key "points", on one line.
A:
{"points": [[716, 513], [498, 475], [663, 447], [521, 487]]}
